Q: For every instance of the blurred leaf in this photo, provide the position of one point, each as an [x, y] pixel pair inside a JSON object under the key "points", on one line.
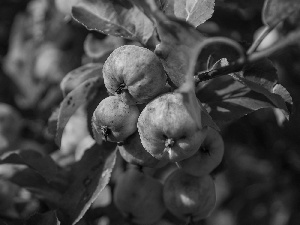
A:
{"points": [[52, 122], [91, 175], [41, 163], [275, 11], [96, 48], [79, 96], [195, 12], [36, 184], [48, 218], [80, 75], [117, 18]]}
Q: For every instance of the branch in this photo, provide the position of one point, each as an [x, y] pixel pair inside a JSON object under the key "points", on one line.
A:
{"points": [[254, 57]]}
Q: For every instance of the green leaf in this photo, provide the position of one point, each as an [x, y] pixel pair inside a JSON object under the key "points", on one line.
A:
{"points": [[275, 11], [117, 18], [41, 163], [195, 12], [91, 175], [79, 96], [80, 75], [47, 218]]}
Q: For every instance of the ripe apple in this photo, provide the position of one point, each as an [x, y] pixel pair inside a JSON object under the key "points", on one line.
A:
{"points": [[167, 129], [135, 74], [207, 158], [139, 197], [115, 119], [187, 196], [133, 152]]}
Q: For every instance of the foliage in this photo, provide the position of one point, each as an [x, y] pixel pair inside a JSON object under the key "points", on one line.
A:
{"points": [[54, 167]]}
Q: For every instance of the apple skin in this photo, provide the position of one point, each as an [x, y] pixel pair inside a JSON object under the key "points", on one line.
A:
{"points": [[167, 130], [207, 158], [117, 117], [187, 196], [133, 152], [139, 70], [139, 197]]}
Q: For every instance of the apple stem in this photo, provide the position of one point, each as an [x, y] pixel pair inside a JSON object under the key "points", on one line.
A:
{"points": [[121, 88]]}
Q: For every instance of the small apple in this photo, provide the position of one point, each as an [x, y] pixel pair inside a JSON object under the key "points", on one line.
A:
{"points": [[133, 152], [114, 119], [167, 129], [135, 74], [207, 158], [139, 197], [187, 196]]}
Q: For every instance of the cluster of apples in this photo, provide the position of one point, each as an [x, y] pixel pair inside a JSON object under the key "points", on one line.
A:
{"points": [[153, 128]]}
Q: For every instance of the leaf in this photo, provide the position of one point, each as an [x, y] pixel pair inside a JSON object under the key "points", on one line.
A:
{"points": [[255, 88], [79, 96], [79, 75], [256, 81], [195, 12], [179, 49], [96, 48], [275, 11], [91, 175], [227, 100], [41, 163], [52, 122], [206, 119], [48, 218], [36, 184], [118, 18]]}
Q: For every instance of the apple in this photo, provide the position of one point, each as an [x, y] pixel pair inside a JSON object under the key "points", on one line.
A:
{"points": [[139, 197], [135, 74], [167, 129], [207, 158], [189, 197]]}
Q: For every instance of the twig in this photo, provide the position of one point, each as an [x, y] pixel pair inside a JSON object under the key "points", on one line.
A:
{"points": [[254, 57], [259, 39]]}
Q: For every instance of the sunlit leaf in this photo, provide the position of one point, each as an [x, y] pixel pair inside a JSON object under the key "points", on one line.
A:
{"points": [[80, 75], [117, 18], [79, 96], [91, 175], [228, 99], [195, 12]]}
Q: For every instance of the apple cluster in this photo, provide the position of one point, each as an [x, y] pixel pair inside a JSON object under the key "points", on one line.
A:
{"points": [[153, 129]]}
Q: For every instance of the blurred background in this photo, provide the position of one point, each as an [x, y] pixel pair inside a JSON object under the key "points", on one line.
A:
{"points": [[258, 181]]}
